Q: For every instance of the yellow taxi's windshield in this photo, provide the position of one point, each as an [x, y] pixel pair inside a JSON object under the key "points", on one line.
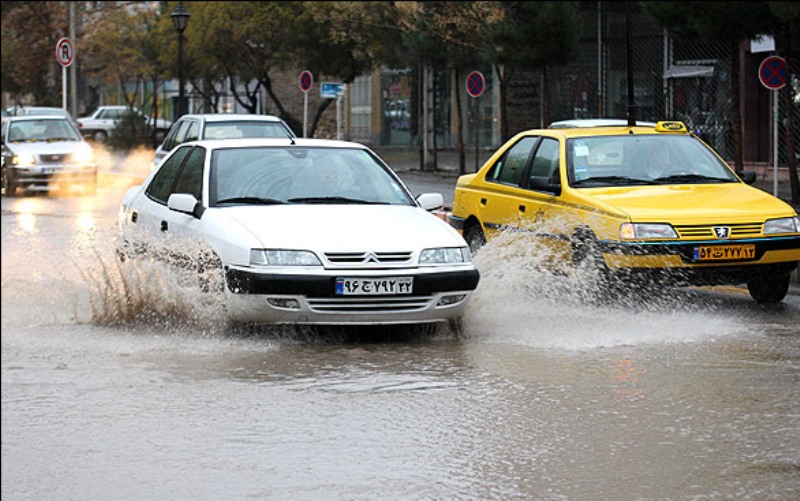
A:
{"points": [[643, 159]]}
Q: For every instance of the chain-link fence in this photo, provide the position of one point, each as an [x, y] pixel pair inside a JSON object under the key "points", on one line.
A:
{"points": [[672, 80]]}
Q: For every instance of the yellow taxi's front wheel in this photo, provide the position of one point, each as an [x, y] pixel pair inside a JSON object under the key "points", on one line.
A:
{"points": [[474, 236], [770, 289]]}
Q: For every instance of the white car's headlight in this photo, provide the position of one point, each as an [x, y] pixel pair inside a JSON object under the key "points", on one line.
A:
{"points": [[782, 225], [642, 231], [444, 255], [83, 154], [283, 257], [24, 160]]}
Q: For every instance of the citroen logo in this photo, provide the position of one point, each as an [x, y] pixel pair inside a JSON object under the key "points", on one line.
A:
{"points": [[371, 258], [722, 231]]}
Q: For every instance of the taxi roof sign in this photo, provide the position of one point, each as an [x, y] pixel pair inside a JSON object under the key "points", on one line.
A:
{"points": [[671, 127]]}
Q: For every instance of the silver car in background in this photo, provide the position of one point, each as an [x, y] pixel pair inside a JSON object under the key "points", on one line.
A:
{"points": [[45, 154]]}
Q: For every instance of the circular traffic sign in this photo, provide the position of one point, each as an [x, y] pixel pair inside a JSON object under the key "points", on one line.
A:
{"points": [[65, 54], [306, 81], [475, 84], [772, 72]]}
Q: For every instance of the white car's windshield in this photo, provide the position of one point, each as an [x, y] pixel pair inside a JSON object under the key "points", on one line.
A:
{"points": [[641, 160], [270, 175], [236, 130], [45, 130]]}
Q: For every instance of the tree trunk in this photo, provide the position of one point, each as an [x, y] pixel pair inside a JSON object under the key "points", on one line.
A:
{"points": [[320, 110]]}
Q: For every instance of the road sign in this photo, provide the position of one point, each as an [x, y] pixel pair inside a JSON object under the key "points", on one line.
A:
{"points": [[772, 72], [475, 84], [306, 81], [64, 52], [328, 90]]}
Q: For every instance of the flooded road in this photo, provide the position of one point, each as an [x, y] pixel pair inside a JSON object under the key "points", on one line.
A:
{"points": [[126, 384]]}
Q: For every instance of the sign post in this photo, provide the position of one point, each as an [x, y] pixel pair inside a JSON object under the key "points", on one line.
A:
{"points": [[772, 73], [65, 54], [306, 82], [475, 87], [328, 90]]}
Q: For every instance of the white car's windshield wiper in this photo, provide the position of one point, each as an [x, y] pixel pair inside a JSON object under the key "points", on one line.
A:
{"points": [[613, 180], [692, 178], [250, 200], [331, 200], [55, 139]]}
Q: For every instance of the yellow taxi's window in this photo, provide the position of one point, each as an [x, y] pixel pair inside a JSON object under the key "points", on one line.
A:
{"points": [[508, 169]]}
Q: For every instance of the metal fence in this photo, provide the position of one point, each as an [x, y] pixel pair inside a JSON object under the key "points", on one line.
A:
{"points": [[672, 80]]}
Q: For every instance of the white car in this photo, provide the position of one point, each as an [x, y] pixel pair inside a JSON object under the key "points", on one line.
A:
{"points": [[220, 126], [99, 125], [45, 154], [300, 231]]}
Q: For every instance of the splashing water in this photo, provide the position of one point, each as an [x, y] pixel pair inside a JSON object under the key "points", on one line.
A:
{"points": [[525, 297]]}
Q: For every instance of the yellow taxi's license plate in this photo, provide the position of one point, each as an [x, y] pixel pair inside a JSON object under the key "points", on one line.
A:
{"points": [[724, 252]]}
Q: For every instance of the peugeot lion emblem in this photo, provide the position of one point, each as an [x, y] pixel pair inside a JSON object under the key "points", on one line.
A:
{"points": [[722, 231]]}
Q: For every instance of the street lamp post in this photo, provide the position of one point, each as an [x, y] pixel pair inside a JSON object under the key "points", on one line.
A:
{"points": [[180, 18]]}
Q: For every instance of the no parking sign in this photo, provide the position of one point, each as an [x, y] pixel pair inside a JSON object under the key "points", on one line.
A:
{"points": [[772, 72], [475, 84]]}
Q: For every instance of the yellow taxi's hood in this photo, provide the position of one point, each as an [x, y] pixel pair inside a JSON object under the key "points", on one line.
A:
{"points": [[692, 203]]}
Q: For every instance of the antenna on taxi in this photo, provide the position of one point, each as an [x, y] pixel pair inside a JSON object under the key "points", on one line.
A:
{"points": [[629, 62]]}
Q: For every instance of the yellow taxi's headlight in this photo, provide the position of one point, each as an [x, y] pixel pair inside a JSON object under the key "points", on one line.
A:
{"points": [[24, 160], [782, 225], [644, 231]]}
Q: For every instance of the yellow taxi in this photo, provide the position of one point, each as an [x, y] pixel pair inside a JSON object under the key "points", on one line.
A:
{"points": [[649, 201]]}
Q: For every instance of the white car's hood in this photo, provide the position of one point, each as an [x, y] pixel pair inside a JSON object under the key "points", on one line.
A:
{"points": [[44, 148], [339, 228]]}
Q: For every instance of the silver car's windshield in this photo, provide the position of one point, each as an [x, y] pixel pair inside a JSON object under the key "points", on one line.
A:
{"points": [[44, 130], [272, 175], [641, 160]]}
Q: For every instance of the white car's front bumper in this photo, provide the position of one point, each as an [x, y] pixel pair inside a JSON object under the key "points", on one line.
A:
{"points": [[437, 295]]}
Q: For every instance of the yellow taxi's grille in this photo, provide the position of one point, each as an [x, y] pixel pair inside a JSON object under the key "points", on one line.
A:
{"points": [[707, 230]]}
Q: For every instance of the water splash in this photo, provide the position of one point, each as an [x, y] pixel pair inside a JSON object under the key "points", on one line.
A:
{"points": [[526, 297]]}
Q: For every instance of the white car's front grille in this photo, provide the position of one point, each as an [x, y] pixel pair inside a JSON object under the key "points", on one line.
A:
{"points": [[348, 258], [369, 305]]}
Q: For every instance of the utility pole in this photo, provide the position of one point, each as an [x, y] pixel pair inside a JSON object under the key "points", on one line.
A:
{"points": [[73, 71]]}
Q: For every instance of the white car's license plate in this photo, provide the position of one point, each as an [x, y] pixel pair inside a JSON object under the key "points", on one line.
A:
{"points": [[374, 286]]}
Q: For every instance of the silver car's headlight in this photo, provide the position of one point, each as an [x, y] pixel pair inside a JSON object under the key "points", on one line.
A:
{"points": [[83, 154], [24, 160], [444, 255], [283, 257], [643, 231], [782, 225]]}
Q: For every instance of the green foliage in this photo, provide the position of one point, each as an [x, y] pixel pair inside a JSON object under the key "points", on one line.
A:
{"points": [[29, 34], [131, 132], [713, 21]]}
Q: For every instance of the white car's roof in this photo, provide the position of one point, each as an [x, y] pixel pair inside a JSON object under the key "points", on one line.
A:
{"points": [[33, 118], [279, 142], [233, 117], [596, 122]]}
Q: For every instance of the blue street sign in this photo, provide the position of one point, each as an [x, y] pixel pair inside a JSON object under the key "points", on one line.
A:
{"points": [[328, 90]]}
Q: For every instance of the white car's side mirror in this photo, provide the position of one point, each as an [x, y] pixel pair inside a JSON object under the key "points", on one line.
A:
{"points": [[185, 203], [431, 201]]}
